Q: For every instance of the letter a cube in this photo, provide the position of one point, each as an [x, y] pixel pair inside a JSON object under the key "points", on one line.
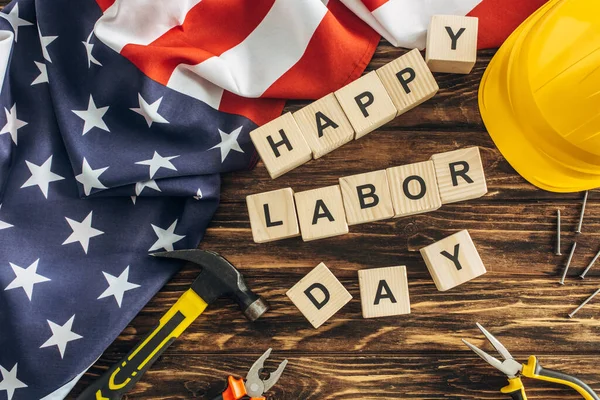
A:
{"points": [[460, 175], [408, 81], [453, 261], [273, 215], [281, 145], [321, 213], [319, 295], [384, 292], [452, 43], [324, 125]]}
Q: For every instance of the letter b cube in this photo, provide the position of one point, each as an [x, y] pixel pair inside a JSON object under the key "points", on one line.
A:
{"points": [[453, 261], [319, 295]]}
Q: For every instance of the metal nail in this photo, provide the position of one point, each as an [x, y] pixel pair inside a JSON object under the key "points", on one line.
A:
{"points": [[558, 253], [590, 265], [584, 303], [564, 275], [582, 212]]}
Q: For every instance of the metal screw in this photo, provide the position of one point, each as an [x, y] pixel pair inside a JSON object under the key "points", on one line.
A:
{"points": [[584, 303], [590, 265], [582, 212], [558, 253], [564, 275]]}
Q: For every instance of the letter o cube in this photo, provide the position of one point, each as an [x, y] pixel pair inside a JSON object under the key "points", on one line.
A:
{"points": [[319, 295]]}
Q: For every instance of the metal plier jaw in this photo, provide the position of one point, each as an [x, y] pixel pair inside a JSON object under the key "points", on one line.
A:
{"points": [[532, 369], [254, 387]]}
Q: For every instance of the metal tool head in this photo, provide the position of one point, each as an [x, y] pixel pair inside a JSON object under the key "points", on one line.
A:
{"points": [[510, 367], [220, 278], [255, 386]]}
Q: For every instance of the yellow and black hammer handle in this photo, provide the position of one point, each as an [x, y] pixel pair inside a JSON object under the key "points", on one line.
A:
{"points": [[121, 377], [534, 370]]}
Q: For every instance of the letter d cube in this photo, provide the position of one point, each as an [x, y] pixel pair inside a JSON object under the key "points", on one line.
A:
{"points": [[453, 261], [319, 295]]}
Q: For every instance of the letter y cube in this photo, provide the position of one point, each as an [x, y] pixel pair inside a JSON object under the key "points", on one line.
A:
{"points": [[453, 261], [319, 295]]}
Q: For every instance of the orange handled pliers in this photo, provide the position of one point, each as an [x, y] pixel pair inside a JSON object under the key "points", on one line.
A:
{"points": [[253, 387]]}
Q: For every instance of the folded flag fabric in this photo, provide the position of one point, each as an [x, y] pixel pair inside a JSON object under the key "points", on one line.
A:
{"points": [[116, 119], [404, 22]]}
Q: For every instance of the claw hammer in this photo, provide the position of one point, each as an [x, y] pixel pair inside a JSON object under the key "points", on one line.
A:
{"points": [[218, 279]]}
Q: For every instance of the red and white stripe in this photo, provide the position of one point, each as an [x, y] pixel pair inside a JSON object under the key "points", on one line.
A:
{"points": [[404, 23], [239, 56]]}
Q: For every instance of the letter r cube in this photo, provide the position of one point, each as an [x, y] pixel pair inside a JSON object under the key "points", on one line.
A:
{"points": [[460, 175], [319, 295], [453, 261]]}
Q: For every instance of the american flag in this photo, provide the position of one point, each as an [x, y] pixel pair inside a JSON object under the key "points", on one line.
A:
{"points": [[116, 119]]}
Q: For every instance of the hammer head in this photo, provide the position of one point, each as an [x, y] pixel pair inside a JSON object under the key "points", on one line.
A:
{"points": [[218, 279]]}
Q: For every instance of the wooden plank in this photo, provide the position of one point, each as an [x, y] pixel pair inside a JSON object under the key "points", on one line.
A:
{"points": [[362, 376], [513, 239], [527, 314]]}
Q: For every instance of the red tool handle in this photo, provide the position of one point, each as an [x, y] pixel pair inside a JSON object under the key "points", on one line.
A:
{"points": [[236, 390]]}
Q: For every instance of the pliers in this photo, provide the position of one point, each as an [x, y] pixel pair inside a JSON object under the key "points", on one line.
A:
{"points": [[514, 370], [253, 387]]}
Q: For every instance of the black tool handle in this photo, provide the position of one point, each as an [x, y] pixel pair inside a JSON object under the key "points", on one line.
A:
{"points": [[581, 387], [122, 376], [515, 389]]}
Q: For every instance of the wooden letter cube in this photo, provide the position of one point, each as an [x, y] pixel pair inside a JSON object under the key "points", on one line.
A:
{"points": [[414, 188], [408, 81], [324, 125], [366, 103], [452, 43], [384, 292], [281, 145], [366, 197], [273, 215], [453, 261], [319, 295], [460, 175], [321, 213]]}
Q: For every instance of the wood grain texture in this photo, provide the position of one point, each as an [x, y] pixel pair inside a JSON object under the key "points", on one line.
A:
{"points": [[416, 356]]}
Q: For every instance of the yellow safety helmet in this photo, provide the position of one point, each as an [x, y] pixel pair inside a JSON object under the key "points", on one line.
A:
{"points": [[540, 97]]}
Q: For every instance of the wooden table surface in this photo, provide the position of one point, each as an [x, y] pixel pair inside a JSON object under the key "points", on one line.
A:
{"points": [[416, 356]]}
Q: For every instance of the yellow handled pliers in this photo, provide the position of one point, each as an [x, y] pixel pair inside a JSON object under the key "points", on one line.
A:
{"points": [[514, 370]]}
